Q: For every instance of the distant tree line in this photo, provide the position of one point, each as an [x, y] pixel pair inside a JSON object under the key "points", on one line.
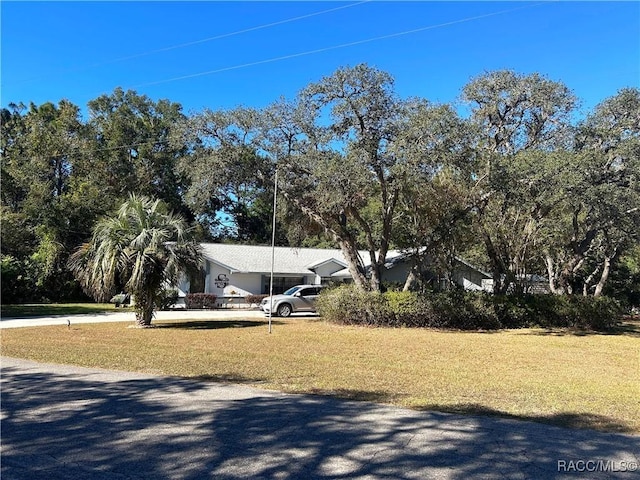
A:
{"points": [[521, 185]]}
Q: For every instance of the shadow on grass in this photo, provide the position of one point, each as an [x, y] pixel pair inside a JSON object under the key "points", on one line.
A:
{"points": [[378, 396], [229, 379], [563, 419], [39, 310], [213, 324], [573, 420], [627, 328]]}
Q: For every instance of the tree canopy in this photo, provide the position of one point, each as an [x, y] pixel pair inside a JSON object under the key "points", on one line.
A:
{"points": [[522, 185]]}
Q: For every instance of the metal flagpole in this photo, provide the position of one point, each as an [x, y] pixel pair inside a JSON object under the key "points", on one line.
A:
{"points": [[273, 247]]}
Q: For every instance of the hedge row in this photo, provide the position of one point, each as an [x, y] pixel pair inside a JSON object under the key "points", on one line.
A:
{"points": [[466, 310], [200, 300], [254, 299]]}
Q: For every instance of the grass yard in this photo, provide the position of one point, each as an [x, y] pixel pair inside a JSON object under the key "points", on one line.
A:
{"points": [[39, 310], [563, 378]]}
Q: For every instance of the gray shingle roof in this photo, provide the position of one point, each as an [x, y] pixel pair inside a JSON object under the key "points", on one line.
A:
{"points": [[287, 260]]}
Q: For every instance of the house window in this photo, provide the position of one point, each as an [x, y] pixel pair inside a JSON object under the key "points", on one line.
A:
{"points": [[280, 284]]}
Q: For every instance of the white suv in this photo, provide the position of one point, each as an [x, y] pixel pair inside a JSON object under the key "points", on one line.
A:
{"points": [[301, 298]]}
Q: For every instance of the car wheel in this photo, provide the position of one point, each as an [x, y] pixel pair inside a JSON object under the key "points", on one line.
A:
{"points": [[284, 310]]}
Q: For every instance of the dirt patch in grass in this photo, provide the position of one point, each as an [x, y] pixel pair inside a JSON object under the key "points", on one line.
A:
{"points": [[563, 378]]}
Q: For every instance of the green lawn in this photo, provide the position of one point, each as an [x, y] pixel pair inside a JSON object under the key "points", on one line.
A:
{"points": [[560, 377], [46, 309]]}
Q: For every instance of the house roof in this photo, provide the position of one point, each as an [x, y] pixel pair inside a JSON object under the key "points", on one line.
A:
{"points": [[287, 260], [473, 267], [315, 265], [293, 261]]}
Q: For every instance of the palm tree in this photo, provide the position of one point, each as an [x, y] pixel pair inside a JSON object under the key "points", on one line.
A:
{"points": [[143, 247]]}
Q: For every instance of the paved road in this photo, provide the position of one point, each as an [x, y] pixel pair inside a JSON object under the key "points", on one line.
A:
{"points": [[62, 422]]}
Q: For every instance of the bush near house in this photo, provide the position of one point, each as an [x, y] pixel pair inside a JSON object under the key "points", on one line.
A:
{"points": [[466, 310], [254, 299], [200, 300], [167, 298], [349, 305]]}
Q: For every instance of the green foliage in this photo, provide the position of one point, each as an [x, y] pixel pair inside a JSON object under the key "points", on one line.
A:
{"points": [[350, 305], [42, 149], [587, 313], [338, 171], [462, 310], [167, 298], [409, 308], [133, 149], [19, 281], [624, 283], [517, 185], [229, 182], [523, 126], [200, 301], [143, 247]]}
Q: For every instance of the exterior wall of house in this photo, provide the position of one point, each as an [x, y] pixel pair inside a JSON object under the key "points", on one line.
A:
{"points": [[398, 274], [469, 278], [487, 284], [243, 284], [538, 287], [533, 286], [222, 283], [312, 279], [325, 271], [284, 282]]}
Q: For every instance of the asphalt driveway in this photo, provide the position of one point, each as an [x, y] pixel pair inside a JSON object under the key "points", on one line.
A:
{"points": [[64, 422]]}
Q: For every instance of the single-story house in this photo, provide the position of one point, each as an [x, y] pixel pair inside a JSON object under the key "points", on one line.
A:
{"points": [[231, 272]]}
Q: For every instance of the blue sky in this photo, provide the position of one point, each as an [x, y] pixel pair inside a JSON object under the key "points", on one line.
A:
{"points": [[264, 50]]}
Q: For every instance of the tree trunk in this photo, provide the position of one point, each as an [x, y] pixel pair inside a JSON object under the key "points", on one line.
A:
{"points": [[606, 268], [347, 244], [375, 282], [411, 278], [497, 267], [354, 263], [144, 310], [588, 281], [376, 261], [553, 275]]}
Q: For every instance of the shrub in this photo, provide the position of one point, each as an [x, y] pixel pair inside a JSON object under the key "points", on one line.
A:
{"points": [[516, 311], [20, 281], [410, 309], [348, 305], [588, 313], [462, 310], [254, 299], [167, 298], [573, 311], [200, 300]]}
